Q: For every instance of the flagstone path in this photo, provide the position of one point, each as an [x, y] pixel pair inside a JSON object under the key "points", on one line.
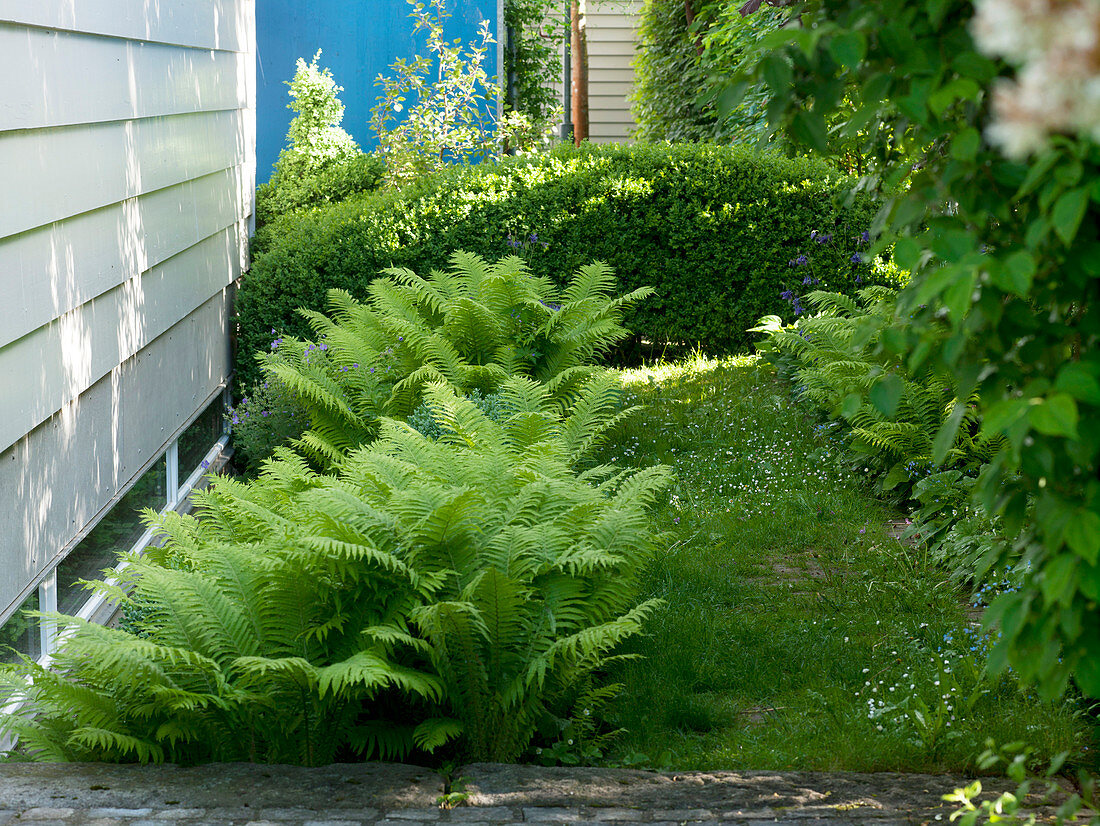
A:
{"points": [[239, 794]]}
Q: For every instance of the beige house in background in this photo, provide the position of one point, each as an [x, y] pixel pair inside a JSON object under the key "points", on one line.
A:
{"points": [[611, 35]]}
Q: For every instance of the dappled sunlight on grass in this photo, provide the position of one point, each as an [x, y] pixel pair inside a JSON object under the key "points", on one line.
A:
{"points": [[798, 633]]}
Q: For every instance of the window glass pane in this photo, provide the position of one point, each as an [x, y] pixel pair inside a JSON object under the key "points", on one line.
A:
{"points": [[200, 437], [116, 532], [22, 632]]}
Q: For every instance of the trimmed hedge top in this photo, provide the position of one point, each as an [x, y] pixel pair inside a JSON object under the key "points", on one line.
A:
{"points": [[712, 229]]}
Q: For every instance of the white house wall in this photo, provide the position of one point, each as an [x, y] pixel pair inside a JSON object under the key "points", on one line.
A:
{"points": [[126, 171]]}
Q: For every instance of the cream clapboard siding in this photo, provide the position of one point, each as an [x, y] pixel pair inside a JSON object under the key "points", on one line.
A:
{"points": [[611, 37], [126, 170]]}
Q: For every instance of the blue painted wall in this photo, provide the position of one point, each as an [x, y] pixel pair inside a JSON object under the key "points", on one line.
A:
{"points": [[359, 40]]}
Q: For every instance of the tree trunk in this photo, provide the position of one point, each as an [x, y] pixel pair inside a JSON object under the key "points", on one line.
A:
{"points": [[689, 17], [579, 50]]}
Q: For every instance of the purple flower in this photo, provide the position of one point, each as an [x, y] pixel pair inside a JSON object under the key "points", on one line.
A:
{"points": [[856, 258], [865, 237], [823, 238], [798, 262], [400, 338], [205, 464], [324, 346]]}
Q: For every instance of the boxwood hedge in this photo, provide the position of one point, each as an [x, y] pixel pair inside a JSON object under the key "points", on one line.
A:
{"points": [[712, 228]]}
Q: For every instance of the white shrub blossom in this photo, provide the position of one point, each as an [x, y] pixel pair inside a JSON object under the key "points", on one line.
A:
{"points": [[1055, 45]]}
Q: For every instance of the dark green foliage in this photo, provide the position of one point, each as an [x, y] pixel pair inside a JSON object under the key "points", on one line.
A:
{"points": [[534, 59], [670, 79], [712, 229], [332, 182], [268, 416], [674, 97], [1005, 260]]}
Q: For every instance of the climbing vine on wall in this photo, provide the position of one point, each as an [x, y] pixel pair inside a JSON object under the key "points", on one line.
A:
{"points": [[532, 60]]}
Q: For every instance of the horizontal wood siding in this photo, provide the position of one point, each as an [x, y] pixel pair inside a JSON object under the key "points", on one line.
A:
{"points": [[64, 474], [225, 25], [611, 38], [127, 149]]}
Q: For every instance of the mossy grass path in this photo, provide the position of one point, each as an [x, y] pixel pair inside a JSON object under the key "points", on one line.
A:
{"points": [[798, 632]]}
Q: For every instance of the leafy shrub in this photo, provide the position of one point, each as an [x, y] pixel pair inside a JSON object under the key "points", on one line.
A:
{"points": [[1003, 253], [451, 115], [669, 77], [331, 183], [321, 163], [712, 229], [532, 64], [471, 327], [433, 589], [678, 42]]}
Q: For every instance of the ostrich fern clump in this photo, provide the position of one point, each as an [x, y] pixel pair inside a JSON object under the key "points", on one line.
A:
{"points": [[539, 567], [893, 415], [432, 589], [472, 327]]}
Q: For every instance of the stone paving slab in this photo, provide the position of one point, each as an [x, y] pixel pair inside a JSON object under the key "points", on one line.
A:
{"points": [[612, 794], [380, 794], [237, 791]]}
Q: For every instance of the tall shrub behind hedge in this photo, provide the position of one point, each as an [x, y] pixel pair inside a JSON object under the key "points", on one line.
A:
{"points": [[712, 229], [670, 78]]}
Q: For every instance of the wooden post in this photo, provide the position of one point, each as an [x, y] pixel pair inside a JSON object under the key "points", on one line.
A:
{"points": [[579, 49]]}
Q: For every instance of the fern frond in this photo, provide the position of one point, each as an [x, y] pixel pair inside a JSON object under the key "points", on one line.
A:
{"points": [[434, 732]]}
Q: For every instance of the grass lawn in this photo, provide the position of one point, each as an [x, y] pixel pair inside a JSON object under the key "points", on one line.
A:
{"points": [[797, 633]]}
